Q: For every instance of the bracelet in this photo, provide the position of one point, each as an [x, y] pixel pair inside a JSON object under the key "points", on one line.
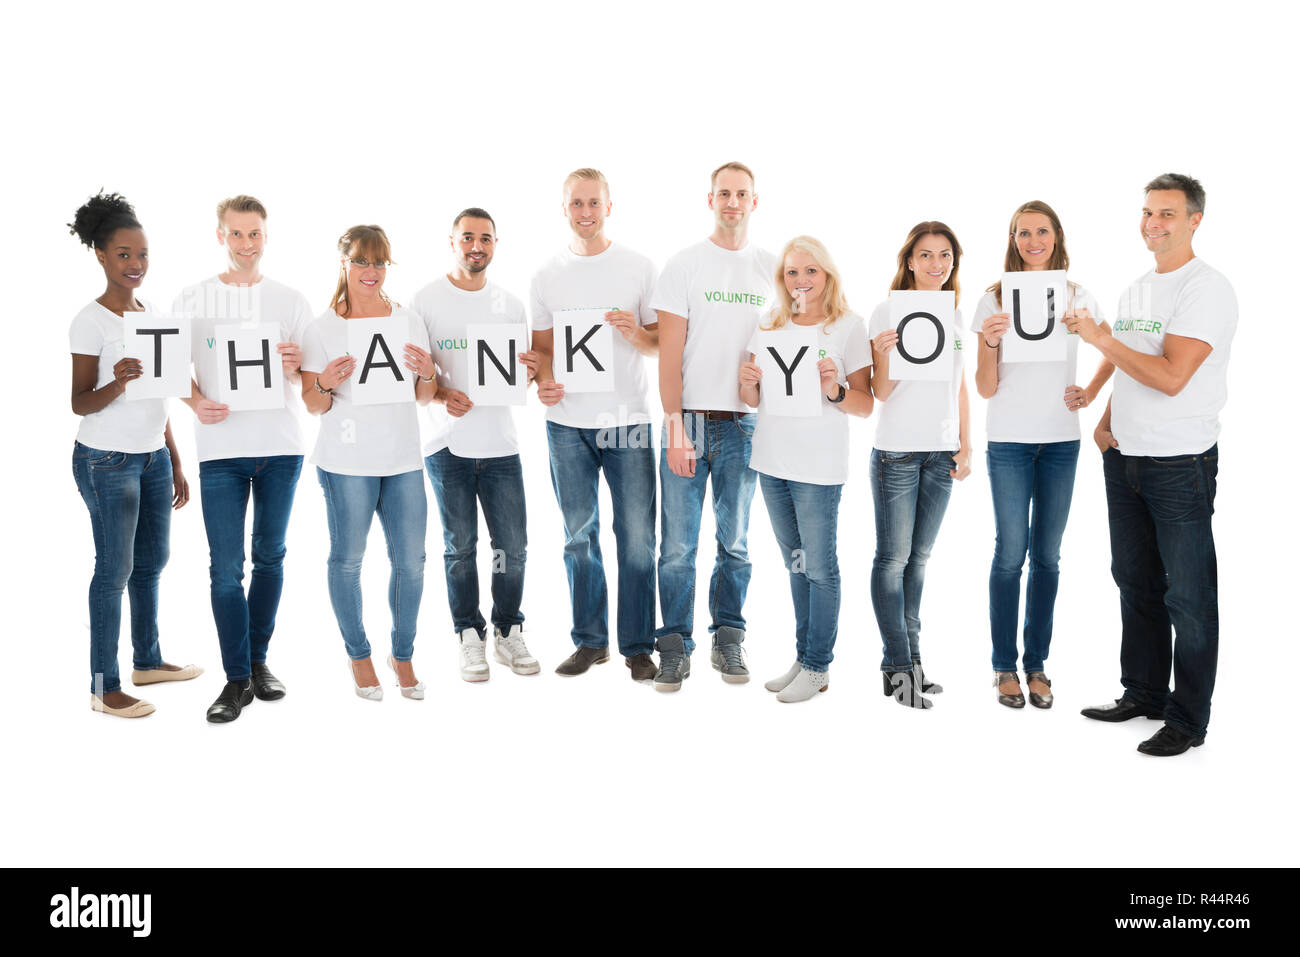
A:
{"points": [[423, 379], [329, 392], [986, 343], [839, 398]]}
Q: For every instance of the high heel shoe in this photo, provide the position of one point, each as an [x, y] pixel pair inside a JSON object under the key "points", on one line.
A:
{"points": [[369, 692], [1036, 699], [415, 692], [927, 686], [902, 687], [1011, 699]]}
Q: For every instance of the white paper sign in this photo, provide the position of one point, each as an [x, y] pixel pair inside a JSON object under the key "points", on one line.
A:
{"points": [[791, 385], [924, 322], [1036, 302], [162, 344], [249, 373], [496, 376], [379, 346], [583, 360]]}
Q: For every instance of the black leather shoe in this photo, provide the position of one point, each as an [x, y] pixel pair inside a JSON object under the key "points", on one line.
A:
{"points": [[266, 686], [1169, 741], [582, 659], [234, 698], [1122, 710]]}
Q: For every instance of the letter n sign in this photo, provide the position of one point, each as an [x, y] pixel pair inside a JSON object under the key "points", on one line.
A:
{"points": [[583, 360], [494, 376], [924, 322], [249, 373], [1037, 301], [379, 347]]}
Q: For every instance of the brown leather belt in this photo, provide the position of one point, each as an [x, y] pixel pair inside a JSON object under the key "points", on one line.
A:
{"points": [[711, 414]]}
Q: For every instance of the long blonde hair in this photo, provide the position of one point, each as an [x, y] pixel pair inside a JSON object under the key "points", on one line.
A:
{"points": [[834, 303], [368, 242], [904, 278]]}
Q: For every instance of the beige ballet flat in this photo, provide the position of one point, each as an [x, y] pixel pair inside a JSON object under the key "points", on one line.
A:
{"points": [[137, 710], [155, 675]]}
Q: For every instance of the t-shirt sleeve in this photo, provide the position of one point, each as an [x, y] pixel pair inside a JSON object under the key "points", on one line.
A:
{"points": [[541, 313], [85, 337], [314, 357], [672, 291], [751, 347], [299, 320], [646, 315], [1206, 307], [879, 320], [857, 348], [988, 306], [419, 331], [515, 312]]}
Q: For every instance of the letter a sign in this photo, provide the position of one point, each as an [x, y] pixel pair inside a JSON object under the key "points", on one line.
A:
{"points": [[381, 375], [791, 383], [584, 350], [924, 322], [496, 376], [249, 374], [1036, 302]]}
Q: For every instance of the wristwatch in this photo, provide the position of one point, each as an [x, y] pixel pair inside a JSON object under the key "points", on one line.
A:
{"points": [[839, 398]]}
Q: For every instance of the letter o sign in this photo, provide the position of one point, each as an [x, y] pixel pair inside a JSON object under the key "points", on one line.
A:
{"points": [[938, 346]]}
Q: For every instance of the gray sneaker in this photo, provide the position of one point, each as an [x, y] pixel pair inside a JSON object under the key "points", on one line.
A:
{"points": [[674, 663], [729, 655]]}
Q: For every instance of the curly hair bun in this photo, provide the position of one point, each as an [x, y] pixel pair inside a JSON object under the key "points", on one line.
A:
{"points": [[100, 216]]}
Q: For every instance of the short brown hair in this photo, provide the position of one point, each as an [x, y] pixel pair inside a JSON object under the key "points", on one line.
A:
{"points": [[738, 167], [587, 173], [239, 204]]}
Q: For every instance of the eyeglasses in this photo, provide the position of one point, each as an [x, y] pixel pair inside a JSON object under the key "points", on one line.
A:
{"points": [[366, 264]]}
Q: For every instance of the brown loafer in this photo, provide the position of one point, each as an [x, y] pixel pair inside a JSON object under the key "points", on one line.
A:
{"points": [[582, 659], [1008, 685], [1040, 689], [643, 667]]}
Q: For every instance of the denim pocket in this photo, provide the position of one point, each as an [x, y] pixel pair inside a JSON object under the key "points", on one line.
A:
{"points": [[107, 461], [896, 457], [1172, 461]]}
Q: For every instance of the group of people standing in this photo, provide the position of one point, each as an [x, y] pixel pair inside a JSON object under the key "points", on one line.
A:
{"points": [[704, 317]]}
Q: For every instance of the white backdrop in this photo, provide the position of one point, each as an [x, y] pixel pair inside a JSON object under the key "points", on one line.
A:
{"points": [[858, 124]]}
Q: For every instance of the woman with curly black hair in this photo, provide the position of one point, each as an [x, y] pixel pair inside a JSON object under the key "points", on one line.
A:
{"points": [[124, 461]]}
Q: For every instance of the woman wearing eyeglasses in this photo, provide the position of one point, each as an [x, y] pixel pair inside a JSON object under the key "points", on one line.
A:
{"points": [[368, 459]]}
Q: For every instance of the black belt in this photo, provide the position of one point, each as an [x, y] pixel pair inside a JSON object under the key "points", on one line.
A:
{"points": [[712, 414]]}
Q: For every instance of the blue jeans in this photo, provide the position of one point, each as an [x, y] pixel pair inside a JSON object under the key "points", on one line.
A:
{"points": [[910, 491], [129, 497], [628, 458], [245, 622], [722, 451], [1022, 473], [804, 518], [1163, 560], [460, 485], [350, 503]]}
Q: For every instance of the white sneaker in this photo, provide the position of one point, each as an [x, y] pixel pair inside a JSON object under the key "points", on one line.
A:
{"points": [[509, 649], [806, 684], [473, 657], [778, 684]]}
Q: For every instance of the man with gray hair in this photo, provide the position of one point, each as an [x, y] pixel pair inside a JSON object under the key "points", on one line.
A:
{"points": [[1159, 442]]}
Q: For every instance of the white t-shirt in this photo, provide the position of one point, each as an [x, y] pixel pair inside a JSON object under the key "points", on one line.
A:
{"points": [[362, 439], [1029, 405], [121, 426], [813, 450], [485, 431], [919, 415], [721, 294], [618, 278], [1195, 301], [253, 433]]}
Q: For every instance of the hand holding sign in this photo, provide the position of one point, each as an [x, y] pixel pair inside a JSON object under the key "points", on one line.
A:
{"points": [[290, 357], [994, 328], [624, 321], [1036, 301], [924, 323]]}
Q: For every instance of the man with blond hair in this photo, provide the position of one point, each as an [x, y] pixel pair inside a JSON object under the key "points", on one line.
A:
{"points": [[245, 452], [594, 432], [708, 299]]}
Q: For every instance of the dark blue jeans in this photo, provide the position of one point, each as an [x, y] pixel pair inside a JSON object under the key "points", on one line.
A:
{"points": [[804, 519], [245, 622], [627, 456], [460, 485], [1024, 475], [1163, 560], [910, 491], [722, 449], [129, 497]]}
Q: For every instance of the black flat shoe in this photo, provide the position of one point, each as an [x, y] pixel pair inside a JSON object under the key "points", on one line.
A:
{"points": [[1036, 699], [266, 686], [1169, 741], [234, 698], [1122, 710]]}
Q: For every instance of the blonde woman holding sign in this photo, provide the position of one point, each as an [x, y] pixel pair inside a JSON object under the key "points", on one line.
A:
{"points": [[1033, 447], [922, 445], [368, 457], [125, 463], [803, 461]]}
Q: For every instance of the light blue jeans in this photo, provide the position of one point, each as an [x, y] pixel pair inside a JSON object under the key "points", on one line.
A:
{"points": [[350, 503]]}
